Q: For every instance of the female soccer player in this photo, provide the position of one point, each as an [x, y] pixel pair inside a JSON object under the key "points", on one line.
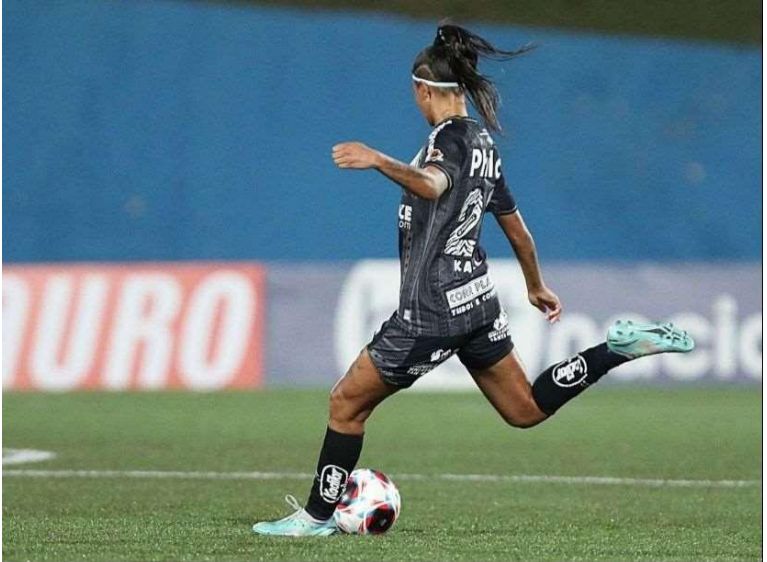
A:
{"points": [[448, 303]]}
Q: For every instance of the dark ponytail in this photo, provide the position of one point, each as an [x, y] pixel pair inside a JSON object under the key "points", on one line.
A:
{"points": [[453, 57]]}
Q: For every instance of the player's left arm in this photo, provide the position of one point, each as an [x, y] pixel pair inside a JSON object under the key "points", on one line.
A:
{"points": [[429, 182], [540, 296]]}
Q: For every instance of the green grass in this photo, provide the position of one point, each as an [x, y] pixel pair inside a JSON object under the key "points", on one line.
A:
{"points": [[683, 434]]}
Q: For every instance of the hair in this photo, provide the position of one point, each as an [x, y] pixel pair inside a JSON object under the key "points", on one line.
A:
{"points": [[453, 57]]}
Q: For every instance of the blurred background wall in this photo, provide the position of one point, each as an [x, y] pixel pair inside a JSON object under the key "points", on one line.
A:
{"points": [[176, 131]]}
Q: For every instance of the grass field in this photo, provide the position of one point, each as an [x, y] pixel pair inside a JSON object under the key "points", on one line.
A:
{"points": [[702, 434]]}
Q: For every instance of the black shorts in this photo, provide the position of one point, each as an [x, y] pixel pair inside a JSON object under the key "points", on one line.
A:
{"points": [[402, 356]]}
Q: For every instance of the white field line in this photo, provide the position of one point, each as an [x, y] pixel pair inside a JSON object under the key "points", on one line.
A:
{"points": [[24, 456], [513, 478]]}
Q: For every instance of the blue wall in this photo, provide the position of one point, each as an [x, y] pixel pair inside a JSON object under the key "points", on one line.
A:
{"points": [[171, 130]]}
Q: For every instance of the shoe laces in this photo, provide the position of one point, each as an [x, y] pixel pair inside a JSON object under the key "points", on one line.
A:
{"points": [[300, 513], [293, 502]]}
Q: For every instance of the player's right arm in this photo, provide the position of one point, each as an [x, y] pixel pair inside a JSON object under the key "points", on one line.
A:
{"points": [[442, 164], [510, 220], [429, 182]]}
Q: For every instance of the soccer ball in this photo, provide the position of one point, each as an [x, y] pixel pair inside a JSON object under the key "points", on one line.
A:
{"points": [[369, 505]]}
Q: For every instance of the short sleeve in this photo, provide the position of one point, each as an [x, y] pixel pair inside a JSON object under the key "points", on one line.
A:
{"points": [[502, 201], [447, 151]]}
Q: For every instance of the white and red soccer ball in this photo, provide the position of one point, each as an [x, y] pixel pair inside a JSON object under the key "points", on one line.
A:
{"points": [[369, 505]]}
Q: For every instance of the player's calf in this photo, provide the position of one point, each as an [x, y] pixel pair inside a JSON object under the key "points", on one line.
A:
{"points": [[345, 414]]}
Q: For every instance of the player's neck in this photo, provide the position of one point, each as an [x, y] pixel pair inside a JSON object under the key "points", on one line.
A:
{"points": [[451, 109]]}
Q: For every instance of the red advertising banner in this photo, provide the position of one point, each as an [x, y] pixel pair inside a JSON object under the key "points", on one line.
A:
{"points": [[195, 326]]}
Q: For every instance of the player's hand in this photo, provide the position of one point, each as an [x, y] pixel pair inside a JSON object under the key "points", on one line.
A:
{"points": [[547, 302], [354, 155]]}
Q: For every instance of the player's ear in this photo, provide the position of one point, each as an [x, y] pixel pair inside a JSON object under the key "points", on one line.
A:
{"points": [[421, 89], [426, 92]]}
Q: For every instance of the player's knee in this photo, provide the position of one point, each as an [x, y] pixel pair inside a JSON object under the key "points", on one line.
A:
{"points": [[517, 421], [524, 418], [520, 422]]}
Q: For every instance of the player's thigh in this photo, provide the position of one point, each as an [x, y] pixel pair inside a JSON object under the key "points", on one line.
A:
{"points": [[359, 391], [403, 357]]}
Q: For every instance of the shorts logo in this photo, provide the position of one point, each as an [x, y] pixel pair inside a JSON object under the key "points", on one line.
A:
{"points": [[332, 482], [502, 321], [570, 372], [500, 327], [440, 355], [436, 357], [420, 370]]}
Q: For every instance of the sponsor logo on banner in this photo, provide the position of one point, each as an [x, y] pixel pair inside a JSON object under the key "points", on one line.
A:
{"points": [[723, 317], [332, 482], [132, 327]]}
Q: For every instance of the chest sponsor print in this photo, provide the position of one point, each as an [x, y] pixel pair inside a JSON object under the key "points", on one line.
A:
{"points": [[464, 298]]}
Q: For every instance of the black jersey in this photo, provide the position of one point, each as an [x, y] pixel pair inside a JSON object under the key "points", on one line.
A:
{"points": [[445, 287]]}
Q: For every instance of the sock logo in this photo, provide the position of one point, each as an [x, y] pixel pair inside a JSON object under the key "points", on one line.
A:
{"points": [[570, 372], [332, 482]]}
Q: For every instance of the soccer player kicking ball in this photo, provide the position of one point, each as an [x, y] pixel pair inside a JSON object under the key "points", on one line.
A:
{"points": [[448, 303]]}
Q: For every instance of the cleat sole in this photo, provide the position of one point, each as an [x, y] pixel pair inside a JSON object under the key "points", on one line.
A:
{"points": [[635, 340]]}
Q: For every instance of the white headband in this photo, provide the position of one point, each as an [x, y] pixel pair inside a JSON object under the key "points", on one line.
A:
{"points": [[435, 84]]}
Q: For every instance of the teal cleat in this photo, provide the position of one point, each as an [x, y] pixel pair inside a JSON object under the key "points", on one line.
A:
{"points": [[635, 340], [298, 524]]}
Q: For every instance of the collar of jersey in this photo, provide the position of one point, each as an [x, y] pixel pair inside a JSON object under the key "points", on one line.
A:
{"points": [[463, 117]]}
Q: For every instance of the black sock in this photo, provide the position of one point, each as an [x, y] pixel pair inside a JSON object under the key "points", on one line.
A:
{"points": [[564, 381], [340, 453]]}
